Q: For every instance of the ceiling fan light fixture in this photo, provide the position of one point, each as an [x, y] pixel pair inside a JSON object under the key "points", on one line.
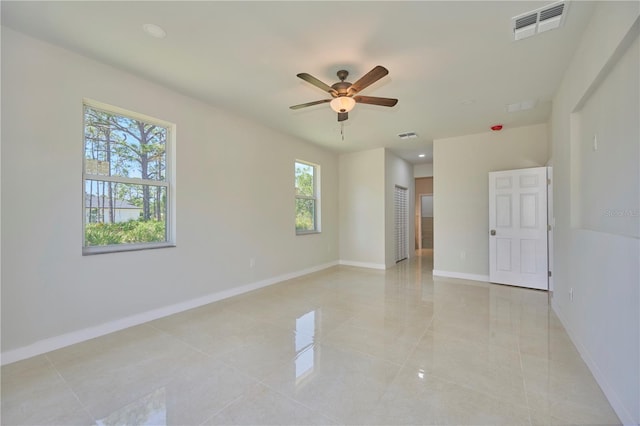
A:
{"points": [[342, 104]]}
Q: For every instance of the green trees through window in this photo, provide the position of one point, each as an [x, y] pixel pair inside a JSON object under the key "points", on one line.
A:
{"points": [[125, 179], [306, 176]]}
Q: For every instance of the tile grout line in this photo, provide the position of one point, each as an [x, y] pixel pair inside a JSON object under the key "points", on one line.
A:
{"points": [[195, 348], [68, 386], [239, 397], [483, 392], [524, 384], [295, 401], [404, 363], [263, 383]]}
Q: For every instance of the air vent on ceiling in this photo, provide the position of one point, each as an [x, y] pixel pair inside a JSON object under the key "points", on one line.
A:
{"points": [[538, 21], [408, 135]]}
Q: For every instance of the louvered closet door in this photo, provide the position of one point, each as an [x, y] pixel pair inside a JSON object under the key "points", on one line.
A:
{"points": [[401, 223]]}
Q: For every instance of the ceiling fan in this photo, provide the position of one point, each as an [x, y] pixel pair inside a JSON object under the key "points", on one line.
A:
{"points": [[344, 94]]}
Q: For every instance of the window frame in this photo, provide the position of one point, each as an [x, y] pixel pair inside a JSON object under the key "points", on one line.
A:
{"points": [[168, 183], [316, 197]]}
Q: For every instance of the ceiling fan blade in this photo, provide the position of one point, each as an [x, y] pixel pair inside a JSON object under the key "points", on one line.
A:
{"points": [[324, 101], [342, 116], [311, 79], [374, 100], [368, 79]]}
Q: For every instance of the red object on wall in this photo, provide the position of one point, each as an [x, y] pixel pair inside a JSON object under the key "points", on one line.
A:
{"points": [[496, 128]]}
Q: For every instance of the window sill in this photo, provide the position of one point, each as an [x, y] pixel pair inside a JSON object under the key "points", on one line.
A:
{"points": [[307, 232], [89, 251]]}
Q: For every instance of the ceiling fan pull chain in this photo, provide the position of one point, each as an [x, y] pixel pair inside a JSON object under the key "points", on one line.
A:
{"points": [[342, 130]]}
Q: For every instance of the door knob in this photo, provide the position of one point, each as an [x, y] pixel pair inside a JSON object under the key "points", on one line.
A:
{"points": [[493, 232]]}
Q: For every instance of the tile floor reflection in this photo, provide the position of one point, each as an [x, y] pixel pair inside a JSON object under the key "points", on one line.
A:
{"points": [[341, 346]]}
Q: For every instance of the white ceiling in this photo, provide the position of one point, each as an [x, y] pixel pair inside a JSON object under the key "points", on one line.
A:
{"points": [[453, 65]]}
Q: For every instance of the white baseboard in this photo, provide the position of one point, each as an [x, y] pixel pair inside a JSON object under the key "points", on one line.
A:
{"points": [[461, 275], [57, 342], [625, 416], [363, 264]]}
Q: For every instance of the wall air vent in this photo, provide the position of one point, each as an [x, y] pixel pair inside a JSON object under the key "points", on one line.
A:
{"points": [[538, 21]]}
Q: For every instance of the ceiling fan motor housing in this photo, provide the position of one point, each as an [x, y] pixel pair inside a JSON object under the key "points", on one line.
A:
{"points": [[342, 88]]}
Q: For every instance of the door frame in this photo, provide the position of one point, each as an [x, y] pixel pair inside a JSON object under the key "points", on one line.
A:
{"points": [[551, 224]]}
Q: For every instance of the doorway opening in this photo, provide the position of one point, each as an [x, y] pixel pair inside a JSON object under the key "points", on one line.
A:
{"points": [[426, 221], [424, 214]]}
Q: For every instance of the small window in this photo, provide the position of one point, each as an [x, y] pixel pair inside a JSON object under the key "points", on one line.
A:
{"points": [[127, 192], [307, 179]]}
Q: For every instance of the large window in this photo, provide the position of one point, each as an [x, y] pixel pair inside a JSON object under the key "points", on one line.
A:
{"points": [[307, 177], [126, 178]]}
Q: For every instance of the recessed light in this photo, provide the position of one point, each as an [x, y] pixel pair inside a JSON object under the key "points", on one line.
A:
{"points": [[421, 155], [154, 30]]}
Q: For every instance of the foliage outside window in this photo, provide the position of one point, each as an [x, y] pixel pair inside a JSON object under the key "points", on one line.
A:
{"points": [[307, 197], [126, 181]]}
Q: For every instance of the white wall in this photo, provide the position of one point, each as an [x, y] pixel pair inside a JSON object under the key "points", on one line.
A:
{"points": [[228, 168], [397, 172], [367, 183], [597, 254], [461, 193], [423, 170], [607, 152], [362, 208]]}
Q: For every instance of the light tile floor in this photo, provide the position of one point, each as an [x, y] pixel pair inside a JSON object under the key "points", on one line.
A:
{"points": [[341, 346]]}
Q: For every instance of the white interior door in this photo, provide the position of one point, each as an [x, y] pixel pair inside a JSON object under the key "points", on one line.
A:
{"points": [[518, 227]]}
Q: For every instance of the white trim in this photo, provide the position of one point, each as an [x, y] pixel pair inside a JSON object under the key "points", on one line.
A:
{"points": [[461, 275], [625, 416], [169, 182], [112, 109], [363, 264], [317, 208], [46, 345], [550, 226], [116, 248]]}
